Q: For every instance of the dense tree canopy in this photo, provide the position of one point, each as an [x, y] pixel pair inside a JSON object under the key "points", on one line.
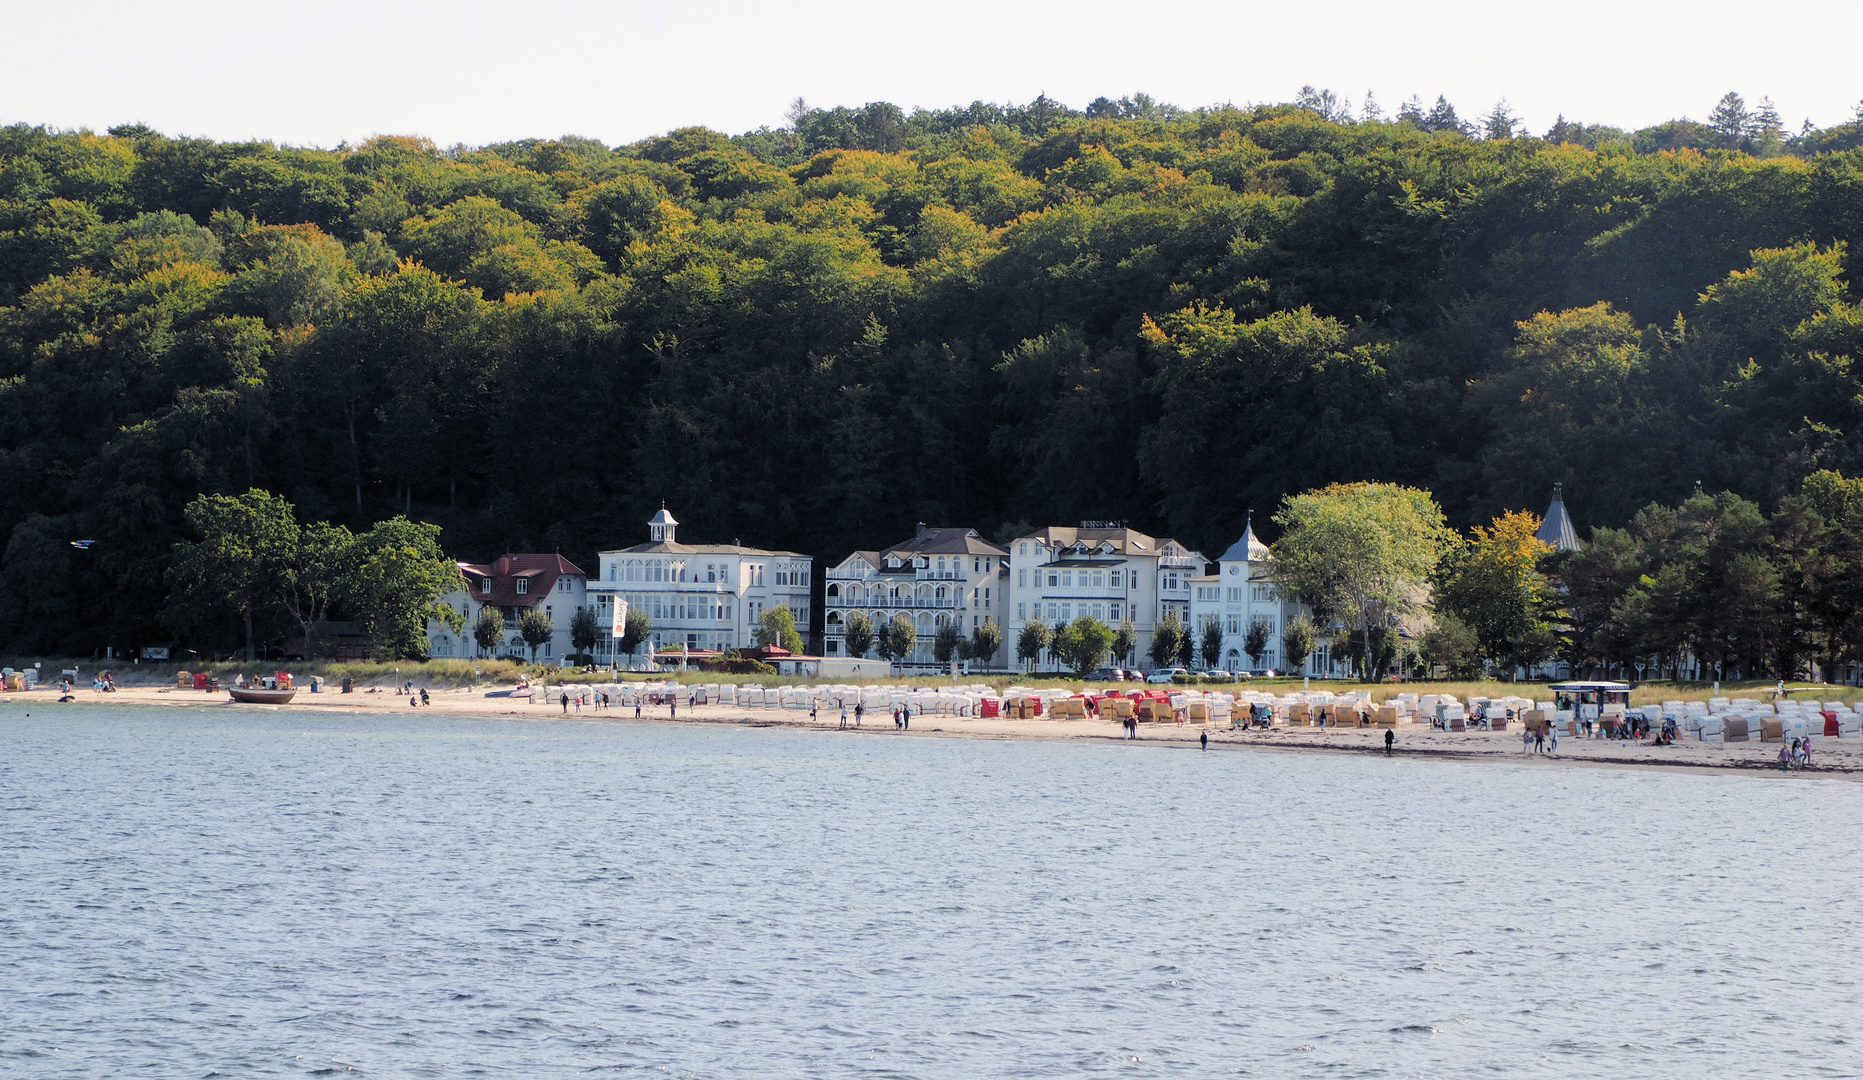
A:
{"points": [[813, 337]]}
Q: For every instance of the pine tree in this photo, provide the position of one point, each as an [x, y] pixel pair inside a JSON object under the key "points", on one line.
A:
{"points": [[1730, 119], [1372, 112]]}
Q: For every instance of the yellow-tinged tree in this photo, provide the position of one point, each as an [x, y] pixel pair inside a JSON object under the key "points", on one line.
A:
{"points": [[1494, 586]]}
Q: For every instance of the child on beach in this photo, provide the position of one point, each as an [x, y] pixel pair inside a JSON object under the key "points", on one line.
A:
{"points": [[1785, 757]]}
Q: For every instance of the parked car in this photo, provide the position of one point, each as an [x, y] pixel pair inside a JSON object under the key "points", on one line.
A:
{"points": [[1165, 674], [1262, 673], [1107, 674]]}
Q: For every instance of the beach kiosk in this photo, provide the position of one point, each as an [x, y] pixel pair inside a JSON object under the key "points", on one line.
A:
{"points": [[1590, 700]]}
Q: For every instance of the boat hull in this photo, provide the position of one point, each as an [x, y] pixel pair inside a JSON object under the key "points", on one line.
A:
{"points": [[261, 697]]}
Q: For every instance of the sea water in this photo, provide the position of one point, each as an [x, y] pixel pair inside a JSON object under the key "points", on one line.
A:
{"points": [[295, 893]]}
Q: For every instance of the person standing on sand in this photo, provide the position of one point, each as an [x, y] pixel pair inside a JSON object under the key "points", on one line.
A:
{"points": [[1204, 739], [859, 707], [1539, 740], [1552, 736], [844, 717], [672, 706], [1390, 739], [565, 696], [1785, 758], [1806, 751], [637, 706]]}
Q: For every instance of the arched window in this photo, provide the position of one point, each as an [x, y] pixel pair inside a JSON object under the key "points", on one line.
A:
{"points": [[942, 593], [834, 590], [834, 618]]}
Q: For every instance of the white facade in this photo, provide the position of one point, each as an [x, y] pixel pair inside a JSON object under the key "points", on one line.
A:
{"points": [[1235, 597], [703, 596], [511, 584], [939, 576], [1100, 569]]}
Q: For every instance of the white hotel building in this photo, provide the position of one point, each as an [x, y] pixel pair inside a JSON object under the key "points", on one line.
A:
{"points": [[702, 596], [1238, 595], [939, 576], [1101, 569]]}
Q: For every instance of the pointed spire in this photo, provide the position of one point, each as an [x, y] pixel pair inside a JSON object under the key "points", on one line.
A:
{"points": [[1556, 529]]}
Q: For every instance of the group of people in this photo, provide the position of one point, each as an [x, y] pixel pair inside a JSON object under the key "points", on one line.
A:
{"points": [[1797, 755], [1540, 738], [902, 716], [596, 699]]}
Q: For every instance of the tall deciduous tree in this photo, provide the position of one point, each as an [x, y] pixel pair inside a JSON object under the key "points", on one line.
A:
{"points": [[1212, 643], [1168, 637], [1255, 641], [398, 583], [583, 630], [1082, 644], [1362, 552], [238, 566], [985, 640], [536, 626], [1495, 587], [635, 630], [1298, 636], [777, 626], [857, 633], [1033, 641], [488, 629]]}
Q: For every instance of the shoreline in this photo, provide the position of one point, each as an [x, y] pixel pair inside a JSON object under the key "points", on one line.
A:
{"points": [[1833, 758]]}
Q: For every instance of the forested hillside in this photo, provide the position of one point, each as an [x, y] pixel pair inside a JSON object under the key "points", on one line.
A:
{"points": [[813, 337]]}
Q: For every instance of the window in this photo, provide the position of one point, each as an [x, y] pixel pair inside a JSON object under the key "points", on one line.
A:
{"points": [[1053, 610], [486, 586], [1099, 579], [1234, 625], [941, 564], [1113, 613], [1067, 612], [523, 585], [1054, 579], [711, 572], [1115, 583], [1022, 580], [1022, 549], [1067, 577], [1022, 612], [1099, 612]]}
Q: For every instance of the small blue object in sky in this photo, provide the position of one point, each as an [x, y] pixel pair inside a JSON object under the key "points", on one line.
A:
{"points": [[82, 545]]}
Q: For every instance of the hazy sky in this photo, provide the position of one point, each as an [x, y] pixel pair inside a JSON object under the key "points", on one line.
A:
{"points": [[322, 71]]}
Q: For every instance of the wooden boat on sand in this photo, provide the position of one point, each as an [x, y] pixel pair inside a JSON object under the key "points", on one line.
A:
{"points": [[269, 690]]}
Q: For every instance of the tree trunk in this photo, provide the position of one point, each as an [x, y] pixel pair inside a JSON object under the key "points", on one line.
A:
{"points": [[355, 449], [249, 652]]}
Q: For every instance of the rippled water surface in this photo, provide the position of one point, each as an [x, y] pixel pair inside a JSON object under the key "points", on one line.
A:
{"points": [[190, 894]]}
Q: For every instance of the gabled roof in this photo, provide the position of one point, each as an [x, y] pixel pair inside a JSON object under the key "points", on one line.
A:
{"points": [[541, 572], [1556, 529], [1124, 541]]}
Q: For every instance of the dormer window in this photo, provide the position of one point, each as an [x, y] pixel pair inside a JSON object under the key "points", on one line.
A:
{"points": [[485, 586], [523, 586]]}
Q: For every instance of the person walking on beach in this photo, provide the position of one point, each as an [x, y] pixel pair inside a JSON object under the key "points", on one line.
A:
{"points": [[1785, 758], [859, 708], [1132, 727], [637, 706], [1539, 740], [565, 696], [1552, 736], [1204, 739], [905, 718], [1390, 740], [844, 716]]}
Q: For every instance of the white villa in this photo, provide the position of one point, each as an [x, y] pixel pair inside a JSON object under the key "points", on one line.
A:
{"points": [[702, 596], [1238, 595], [1102, 569], [937, 577], [511, 584]]}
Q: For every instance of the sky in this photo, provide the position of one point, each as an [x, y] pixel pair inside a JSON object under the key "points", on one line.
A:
{"points": [[320, 72]]}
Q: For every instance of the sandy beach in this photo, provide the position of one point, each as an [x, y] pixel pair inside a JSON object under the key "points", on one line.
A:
{"points": [[1831, 757]]}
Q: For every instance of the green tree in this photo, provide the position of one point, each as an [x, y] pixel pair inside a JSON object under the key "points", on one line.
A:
{"points": [[583, 630], [985, 640], [324, 560], [1212, 644], [1167, 639], [1298, 636], [1255, 642], [777, 626], [398, 584], [488, 629], [635, 630], [1033, 641], [1125, 639], [948, 642], [248, 542], [1452, 645], [1495, 588], [1363, 551], [536, 627], [858, 633], [897, 639], [1082, 644]]}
